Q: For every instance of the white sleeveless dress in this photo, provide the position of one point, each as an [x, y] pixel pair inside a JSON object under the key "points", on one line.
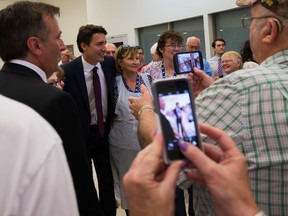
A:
{"points": [[123, 139]]}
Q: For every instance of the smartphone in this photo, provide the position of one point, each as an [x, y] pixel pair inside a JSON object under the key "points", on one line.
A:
{"points": [[175, 110], [184, 62]]}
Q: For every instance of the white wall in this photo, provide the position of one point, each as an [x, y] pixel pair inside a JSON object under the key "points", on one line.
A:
{"points": [[123, 17], [73, 15]]}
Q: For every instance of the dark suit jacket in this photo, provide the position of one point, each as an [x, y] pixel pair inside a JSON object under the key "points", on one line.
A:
{"points": [[75, 84], [58, 108]]}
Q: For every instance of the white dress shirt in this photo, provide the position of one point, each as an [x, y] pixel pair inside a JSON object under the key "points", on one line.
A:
{"points": [[214, 65], [35, 177], [88, 73]]}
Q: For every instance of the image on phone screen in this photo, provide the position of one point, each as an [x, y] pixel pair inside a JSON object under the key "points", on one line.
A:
{"points": [[177, 121], [186, 61]]}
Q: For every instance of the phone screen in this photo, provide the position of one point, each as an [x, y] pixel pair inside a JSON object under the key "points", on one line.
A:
{"points": [[184, 62], [177, 116]]}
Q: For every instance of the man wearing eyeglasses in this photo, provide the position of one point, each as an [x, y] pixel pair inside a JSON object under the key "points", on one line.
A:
{"points": [[193, 44], [251, 106]]}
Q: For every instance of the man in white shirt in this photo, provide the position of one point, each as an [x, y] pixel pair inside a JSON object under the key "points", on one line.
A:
{"points": [[23, 77], [66, 56], [219, 46], [35, 178]]}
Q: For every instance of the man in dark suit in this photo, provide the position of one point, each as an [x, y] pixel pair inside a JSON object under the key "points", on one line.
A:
{"points": [[30, 45], [81, 84]]}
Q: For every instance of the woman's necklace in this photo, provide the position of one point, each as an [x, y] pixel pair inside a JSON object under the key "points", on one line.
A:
{"points": [[137, 89], [163, 71]]}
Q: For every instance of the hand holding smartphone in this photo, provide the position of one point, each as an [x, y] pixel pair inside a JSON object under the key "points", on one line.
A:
{"points": [[184, 62], [174, 104]]}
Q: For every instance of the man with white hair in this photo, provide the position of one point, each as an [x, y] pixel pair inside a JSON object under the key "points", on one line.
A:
{"points": [[250, 105], [110, 49], [193, 44]]}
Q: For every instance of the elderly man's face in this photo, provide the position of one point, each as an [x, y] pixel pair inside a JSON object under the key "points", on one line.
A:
{"points": [[110, 49], [192, 45]]}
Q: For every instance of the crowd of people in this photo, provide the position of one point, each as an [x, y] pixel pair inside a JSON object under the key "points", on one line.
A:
{"points": [[95, 111]]}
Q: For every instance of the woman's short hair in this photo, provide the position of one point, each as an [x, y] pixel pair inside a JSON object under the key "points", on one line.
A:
{"points": [[60, 73], [169, 34], [122, 52], [234, 55]]}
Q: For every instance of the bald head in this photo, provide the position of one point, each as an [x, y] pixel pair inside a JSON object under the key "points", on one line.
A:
{"points": [[110, 49]]}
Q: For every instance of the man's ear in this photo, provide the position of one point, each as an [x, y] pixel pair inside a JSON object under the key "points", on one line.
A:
{"points": [[83, 46], [272, 28], [34, 45]]}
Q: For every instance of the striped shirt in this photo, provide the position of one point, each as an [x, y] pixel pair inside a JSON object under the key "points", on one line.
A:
{"points": [[252, 107]]}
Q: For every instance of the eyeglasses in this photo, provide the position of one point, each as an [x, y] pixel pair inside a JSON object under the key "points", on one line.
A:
{"points": [[228, 60], [193, 47], [247, 20], [110, 53], [55, 82], [173, 46]]}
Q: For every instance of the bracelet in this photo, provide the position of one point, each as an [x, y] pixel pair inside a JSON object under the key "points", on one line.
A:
{"points": [[261, 213], [143, 108]]}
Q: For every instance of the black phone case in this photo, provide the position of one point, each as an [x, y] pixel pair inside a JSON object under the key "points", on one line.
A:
{"points": [[172, 85], [184, 63]]}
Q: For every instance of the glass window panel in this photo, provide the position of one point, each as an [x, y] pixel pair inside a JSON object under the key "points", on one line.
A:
{"points": [[191, 27], [228, 26], [148, 36]]}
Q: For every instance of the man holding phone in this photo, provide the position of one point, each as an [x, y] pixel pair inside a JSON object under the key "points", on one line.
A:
{"points": [[254, 113], [250, 105], [151, 192]]}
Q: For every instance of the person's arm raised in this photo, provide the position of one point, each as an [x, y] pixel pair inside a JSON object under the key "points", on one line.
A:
{"points": [[199, 80], [150, 184], [142, 109]]}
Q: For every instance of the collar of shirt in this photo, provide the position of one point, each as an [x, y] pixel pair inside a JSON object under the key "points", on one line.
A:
{"points": [[277, 58], [35, 68], [88, 67], [217, 57], [88, 74]]}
